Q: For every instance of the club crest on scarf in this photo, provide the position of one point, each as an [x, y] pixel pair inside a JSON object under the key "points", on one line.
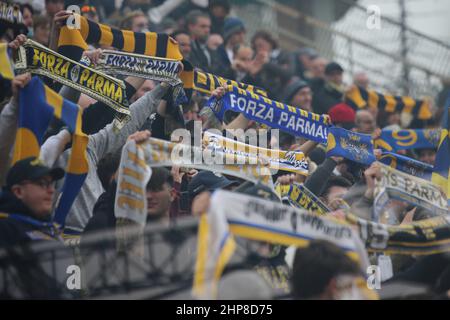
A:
{"points": [[432, 136], [357, 149], [353, 146]]}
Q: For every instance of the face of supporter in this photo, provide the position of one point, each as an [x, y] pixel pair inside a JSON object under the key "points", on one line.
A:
{"points": [[237, 38], [140, 24], [159, 201], [54, 6], [184, 42], [361, 80], [335, 77], [262, 45], [428, 156], [42, 34], [335, 194], [219, 12], [318, 67], [200, 30], [91, 16], [27, 18], [302, 99], [365, 123], [394, 118], [36, 195], [214, 41], [346, 287], [306, 61], [374, 112], [243, 57], [148, 85]]}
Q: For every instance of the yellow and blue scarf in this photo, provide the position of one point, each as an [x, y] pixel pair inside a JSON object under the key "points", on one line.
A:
{"points": [[394, 140], [441, 170], [232, 214], [6, 68], [38, 104], [301, 197], [407, 165], [272, 113], [359, 98], [72, 42], [351, 145]]}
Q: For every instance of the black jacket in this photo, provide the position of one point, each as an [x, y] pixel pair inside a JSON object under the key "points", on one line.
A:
{"points": [[103, 217], [17, 226], [34, 276], [214, 64], [325, 97]]}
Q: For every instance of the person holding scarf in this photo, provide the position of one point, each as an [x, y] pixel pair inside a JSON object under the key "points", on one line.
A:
{"points": [[26, 203]]}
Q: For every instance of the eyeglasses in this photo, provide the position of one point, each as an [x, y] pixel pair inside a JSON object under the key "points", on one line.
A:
{"points": [[43, 183]]}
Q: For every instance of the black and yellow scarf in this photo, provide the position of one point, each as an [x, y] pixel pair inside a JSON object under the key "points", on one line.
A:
{"points": [[359, 98], [72, 42]]}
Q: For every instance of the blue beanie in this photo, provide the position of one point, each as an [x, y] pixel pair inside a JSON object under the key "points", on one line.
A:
{"points": [[231, 26]]}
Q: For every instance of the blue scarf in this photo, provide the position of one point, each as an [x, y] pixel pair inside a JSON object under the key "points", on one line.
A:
{"points": [[350, 145], [408, 139], [274, 114], [407, 165]]}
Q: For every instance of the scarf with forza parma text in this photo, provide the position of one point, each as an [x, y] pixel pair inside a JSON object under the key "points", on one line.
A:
{"points": [[72, 42]]}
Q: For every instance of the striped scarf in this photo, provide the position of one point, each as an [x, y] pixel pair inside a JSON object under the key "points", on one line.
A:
{"points": [[72, 42], [359, 98]]}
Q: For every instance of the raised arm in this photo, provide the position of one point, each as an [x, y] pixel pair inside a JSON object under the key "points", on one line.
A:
{"points": [[106, 140]]}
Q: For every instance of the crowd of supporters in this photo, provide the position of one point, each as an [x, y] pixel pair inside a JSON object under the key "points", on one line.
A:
{"points": [[213, 38]]}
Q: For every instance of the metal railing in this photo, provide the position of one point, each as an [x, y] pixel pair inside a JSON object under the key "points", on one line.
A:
{"points": [[164, 270], [166, 267]]}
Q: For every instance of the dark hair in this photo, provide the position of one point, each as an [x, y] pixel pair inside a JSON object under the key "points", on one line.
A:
{"points": [[26, 6], [159, 177], [335, 181], [192, 16], [266, 36], [314, 267], [178, 32], [220, 3], [108, 166], [422, 150]]}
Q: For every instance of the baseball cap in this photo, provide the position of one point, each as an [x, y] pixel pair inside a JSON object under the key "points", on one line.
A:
{"points": [[31, 168], [310, 52], [333, 67], [208, 181], [258, 190]]}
